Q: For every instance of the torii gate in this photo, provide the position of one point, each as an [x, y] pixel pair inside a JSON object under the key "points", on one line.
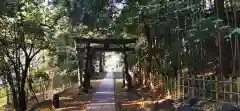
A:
{"points": [[106, 42]]}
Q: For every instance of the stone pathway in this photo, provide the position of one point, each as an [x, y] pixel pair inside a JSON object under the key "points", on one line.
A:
{"points": [[104, 98]]}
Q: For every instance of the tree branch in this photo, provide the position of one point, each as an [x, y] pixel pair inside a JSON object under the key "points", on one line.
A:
{"points": [[24, 73], [20, 63], [35, 53], [25, 49], [9, 57]]}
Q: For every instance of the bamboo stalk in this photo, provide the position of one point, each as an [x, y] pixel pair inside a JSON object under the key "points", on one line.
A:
{"points": [[216, 86], [238, 90], [231, 89], [204, 95]]}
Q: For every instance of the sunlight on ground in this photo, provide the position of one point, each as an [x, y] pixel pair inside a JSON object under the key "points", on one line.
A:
{"points": [[76, 103], [130, 105], [106, 92], [168, 96], [45, 109]]}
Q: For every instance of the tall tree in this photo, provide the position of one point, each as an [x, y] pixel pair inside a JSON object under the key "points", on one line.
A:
{"points": [[26, 30]]}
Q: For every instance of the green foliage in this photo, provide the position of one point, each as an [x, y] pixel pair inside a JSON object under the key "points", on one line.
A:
{"points": [[41, 75], [236, 31], [3, 92], [209, 86], [27, 28], [172, 22], [96, 13]]}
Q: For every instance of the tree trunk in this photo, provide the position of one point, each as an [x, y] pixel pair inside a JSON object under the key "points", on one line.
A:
{"points": [[219, 8], [79, 70], [128, 76], [143, 77], [22, 100], [15, 98], [149, 57], [14, 94], [22, 93], [30, 81]]}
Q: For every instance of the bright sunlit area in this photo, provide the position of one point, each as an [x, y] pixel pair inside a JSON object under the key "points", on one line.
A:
{"points": [[112, 62]]}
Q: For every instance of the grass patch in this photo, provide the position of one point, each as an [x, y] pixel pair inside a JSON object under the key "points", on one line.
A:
{"points": [[3, 97], [3, 101]]}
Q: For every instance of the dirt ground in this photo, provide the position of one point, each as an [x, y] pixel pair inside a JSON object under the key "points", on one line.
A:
{"points": [[71, 99]]}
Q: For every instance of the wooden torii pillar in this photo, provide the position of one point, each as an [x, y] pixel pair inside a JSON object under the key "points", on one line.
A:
{"points": [[106, 42], [101, 62], [87, 75]]}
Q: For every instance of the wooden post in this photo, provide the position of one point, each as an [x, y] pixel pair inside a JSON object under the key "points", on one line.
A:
{"points": [[55, 102], [100, 62], [123, 73], [103, 59], [91, 68]]}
